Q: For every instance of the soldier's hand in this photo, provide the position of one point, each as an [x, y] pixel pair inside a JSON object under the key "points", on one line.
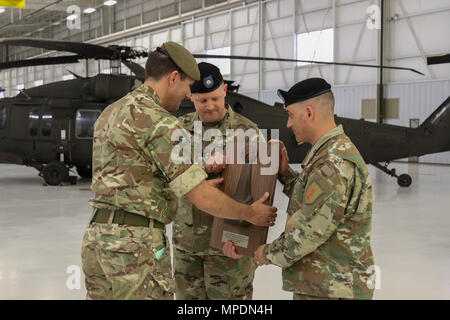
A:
{"points": [[264, 215], [215, 182], [230, 250], [216, 163], [259, 256], [284, 159]]}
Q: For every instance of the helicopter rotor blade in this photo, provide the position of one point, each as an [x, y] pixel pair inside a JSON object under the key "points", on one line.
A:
{"points": [[306, 61], [136, 68], [40, 62], [77, 76], [438, 59], [90, 51]]}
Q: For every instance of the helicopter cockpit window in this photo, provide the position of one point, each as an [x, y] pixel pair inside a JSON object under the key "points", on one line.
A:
{"points": [[2, 117], [33, 122], [84, 124], [46, 126]]}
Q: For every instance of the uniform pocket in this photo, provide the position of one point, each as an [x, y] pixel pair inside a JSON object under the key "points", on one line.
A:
{"points": [[119, 250], [162, 266]]}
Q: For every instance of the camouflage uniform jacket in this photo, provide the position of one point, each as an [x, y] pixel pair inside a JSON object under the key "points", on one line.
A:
{"points": [[131, 162], [192, 227], [325, 248]]}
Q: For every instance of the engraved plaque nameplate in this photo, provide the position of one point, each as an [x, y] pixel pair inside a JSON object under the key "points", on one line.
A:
{"points": [[239, 240]]}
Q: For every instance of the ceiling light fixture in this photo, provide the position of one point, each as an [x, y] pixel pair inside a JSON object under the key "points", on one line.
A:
{"points": [[110, 2], [89, 10]]}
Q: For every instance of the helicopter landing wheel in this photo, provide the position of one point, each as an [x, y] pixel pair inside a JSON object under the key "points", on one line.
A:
{"points": [[55, 172], [84, 171], [404, 180]]}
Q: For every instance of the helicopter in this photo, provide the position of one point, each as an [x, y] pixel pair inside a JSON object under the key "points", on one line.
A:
{"points": [[50, 127]]}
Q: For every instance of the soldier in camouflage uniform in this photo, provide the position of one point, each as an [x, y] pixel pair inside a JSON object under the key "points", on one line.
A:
{"points": [[125, 251], [203, 272], [325, 249]]}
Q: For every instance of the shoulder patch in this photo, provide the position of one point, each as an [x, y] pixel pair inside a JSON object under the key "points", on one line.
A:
{"points": [[327, 171], [313, 192]]}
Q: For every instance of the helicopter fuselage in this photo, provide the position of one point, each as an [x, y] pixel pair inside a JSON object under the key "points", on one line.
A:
{"points": [[55, 123]]}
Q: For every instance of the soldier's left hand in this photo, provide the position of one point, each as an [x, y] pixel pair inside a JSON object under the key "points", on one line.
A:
{"points": [[230, 250], [284, 158], [259, 256], [216, 163]]}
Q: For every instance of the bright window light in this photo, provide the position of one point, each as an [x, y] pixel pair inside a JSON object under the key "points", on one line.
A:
{"points": [[316, 45], [110, 3], [2, 10], [89, 10], [20, 87], [38, 83], [68, 77], [223, 64]]}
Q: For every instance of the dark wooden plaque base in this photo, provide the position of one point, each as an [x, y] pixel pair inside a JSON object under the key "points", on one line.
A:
{"points": [[243, 183]]}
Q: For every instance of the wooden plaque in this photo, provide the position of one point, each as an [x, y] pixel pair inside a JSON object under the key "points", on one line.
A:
{"points": [[243, 183]]}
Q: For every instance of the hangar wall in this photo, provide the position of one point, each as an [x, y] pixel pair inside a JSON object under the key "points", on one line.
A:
{"points": [[269, 28], [417, 100]]}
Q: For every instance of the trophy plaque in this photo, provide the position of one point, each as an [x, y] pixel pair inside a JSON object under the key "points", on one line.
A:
{"points": [[243, 183]]}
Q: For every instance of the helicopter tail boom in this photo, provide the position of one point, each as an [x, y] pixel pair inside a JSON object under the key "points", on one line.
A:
{"points": [[437, 128], [439, 119]]}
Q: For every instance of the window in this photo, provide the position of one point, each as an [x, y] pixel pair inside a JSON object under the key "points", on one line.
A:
{"points": [[68, 77], [46, 125], [33, 122], [223, 64], [20, 87], [84, 123], [316, 45], [2, 117]]}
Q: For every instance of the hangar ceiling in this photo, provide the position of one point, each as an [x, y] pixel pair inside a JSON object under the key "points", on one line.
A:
{"points": [[39, 16]]}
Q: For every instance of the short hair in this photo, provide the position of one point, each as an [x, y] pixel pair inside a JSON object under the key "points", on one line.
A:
{"points": [[159, 65], [327, 99], [324, 104]]}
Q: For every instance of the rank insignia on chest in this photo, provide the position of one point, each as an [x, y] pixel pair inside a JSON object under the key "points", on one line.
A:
{"points": [[313, 192]]}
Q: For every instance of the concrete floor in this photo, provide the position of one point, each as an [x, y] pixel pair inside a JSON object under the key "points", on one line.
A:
{"points": [[41, 229]]}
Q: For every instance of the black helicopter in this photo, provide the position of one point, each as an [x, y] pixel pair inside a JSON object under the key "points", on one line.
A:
{"points": [[50, 127]]}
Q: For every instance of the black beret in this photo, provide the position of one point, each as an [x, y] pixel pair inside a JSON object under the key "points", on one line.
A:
{"points": [[304, 90], [210, 78]]}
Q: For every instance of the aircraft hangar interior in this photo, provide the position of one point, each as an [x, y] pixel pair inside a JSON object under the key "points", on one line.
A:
{"points": [[387, 65]]}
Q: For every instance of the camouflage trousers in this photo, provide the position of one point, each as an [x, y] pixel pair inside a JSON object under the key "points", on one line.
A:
{"points": [[211, 277], [298, 296], [120, 262]]}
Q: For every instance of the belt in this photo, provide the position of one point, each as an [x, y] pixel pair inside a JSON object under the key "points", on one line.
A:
{"points": [[122, 217]]}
